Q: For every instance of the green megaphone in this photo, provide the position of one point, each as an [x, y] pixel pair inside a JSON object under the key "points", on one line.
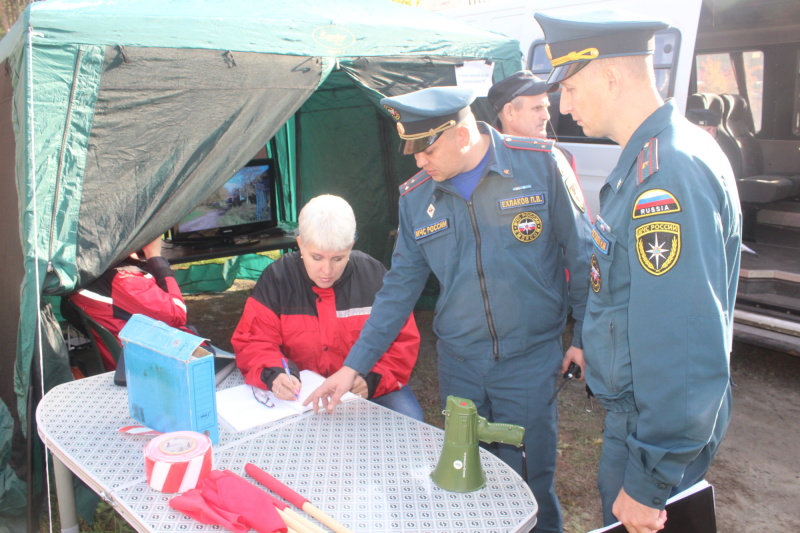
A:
{"points": [[459, 467]]}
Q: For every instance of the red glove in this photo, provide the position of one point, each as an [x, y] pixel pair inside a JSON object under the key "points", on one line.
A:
{"points": [[192, 504], [236, 501]]}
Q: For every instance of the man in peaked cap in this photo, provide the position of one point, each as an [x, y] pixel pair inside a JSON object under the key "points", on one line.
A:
{"points": [[659, 319], [522, 105], [494, 219]]}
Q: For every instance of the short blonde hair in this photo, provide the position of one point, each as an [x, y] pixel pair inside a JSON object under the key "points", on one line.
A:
{"points": [[328, 223]]}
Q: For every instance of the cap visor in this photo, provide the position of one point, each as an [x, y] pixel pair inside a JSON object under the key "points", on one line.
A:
{"points": [[537, 88], [414, 146], [563, 72]]}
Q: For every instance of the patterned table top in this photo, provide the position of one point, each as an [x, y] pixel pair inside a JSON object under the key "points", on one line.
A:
{"points": [[366, 466]]}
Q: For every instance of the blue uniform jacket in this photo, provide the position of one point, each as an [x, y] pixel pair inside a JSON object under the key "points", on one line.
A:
{"points": [[658, 325], [500, 259]]}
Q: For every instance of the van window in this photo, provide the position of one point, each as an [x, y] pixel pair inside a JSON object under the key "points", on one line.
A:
{"points": [[716, 73], [665, 60]]}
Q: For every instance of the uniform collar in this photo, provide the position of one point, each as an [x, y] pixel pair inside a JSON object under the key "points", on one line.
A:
{"points": [[498, 161], [651, 127]]}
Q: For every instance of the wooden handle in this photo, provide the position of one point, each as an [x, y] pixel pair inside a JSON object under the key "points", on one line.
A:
{"points": [[308, 524], [288, 494], [297, 525], [325, 519]]}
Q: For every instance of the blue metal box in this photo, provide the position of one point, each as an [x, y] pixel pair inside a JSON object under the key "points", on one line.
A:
{"points": [[170, 378]]}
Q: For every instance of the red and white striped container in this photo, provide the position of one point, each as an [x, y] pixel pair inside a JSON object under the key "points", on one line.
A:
{"points": [[175, 462]]}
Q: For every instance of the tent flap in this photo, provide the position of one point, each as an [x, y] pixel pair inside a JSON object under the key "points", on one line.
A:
{"points": [[171, 125]]}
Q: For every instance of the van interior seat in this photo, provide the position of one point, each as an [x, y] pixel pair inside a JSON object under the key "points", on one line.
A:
{"points": [[736, 137], [739, 123], [714, 102], [762, 190]]}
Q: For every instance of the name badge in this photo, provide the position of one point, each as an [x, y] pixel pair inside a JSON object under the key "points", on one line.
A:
{"points": [[431, 229], [600, 242], [521, 201]]}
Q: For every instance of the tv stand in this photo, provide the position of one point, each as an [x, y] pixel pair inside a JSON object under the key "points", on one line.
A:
{"points": [[224, 242], [187, 253]]}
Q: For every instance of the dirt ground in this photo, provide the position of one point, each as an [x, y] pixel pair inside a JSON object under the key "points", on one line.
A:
{"points": [[756, 475]]}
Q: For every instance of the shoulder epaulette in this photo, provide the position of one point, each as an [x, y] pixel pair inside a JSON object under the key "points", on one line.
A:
{"points": [[647, 161], [528, 143], [416, 180]]}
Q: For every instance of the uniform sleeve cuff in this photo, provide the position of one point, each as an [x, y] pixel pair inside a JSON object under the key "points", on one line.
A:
{"points": [[577, 334], [361, 359], [645, 489]]}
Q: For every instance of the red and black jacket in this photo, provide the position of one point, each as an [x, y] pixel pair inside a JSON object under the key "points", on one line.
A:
{"points": [[132, 287], [288, 315]]}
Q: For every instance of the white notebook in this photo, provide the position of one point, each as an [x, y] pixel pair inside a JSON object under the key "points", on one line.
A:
{"points": [[238, 408]]}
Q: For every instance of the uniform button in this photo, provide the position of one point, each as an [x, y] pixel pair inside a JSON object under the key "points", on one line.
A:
{"points": [[656, 501], [324, 348], [662, 486]]}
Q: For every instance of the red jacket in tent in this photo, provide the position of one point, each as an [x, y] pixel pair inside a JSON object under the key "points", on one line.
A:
{"points": [[288, 315], [132, 287]]}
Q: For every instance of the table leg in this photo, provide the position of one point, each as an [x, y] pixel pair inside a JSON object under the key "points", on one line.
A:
{"points": [[65, 493]]}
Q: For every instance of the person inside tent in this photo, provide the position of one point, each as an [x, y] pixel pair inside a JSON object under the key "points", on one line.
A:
{"points": [[143, 283]]}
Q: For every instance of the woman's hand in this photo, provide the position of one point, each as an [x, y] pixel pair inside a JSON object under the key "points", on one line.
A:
{"points": [[286, 387], [360, 387], [153, 249]]}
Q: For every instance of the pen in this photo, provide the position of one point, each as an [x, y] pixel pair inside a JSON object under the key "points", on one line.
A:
{"points": [[286, 367]]}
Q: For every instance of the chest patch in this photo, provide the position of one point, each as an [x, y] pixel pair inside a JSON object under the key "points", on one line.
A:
{"points": [[521, 201], [431, 229], [655, 202], [658, 246], [594, 274], [599, 241], [526, 226]]}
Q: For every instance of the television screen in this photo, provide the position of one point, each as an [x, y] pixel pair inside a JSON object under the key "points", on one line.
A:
{"points": [[243, 205]]}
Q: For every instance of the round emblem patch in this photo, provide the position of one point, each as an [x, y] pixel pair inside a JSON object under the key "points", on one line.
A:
{"points": [[594, 275], [526, 226], [392, 111]]}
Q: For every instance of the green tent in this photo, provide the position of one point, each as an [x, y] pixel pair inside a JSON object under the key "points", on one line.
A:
{"points": [[117, 117]]}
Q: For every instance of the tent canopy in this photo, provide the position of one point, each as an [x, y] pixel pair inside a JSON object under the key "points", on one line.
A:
{"points": [[117, 117]]}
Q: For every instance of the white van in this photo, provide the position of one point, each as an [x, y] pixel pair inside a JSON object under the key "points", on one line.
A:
{"points": [[741, 58]]}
